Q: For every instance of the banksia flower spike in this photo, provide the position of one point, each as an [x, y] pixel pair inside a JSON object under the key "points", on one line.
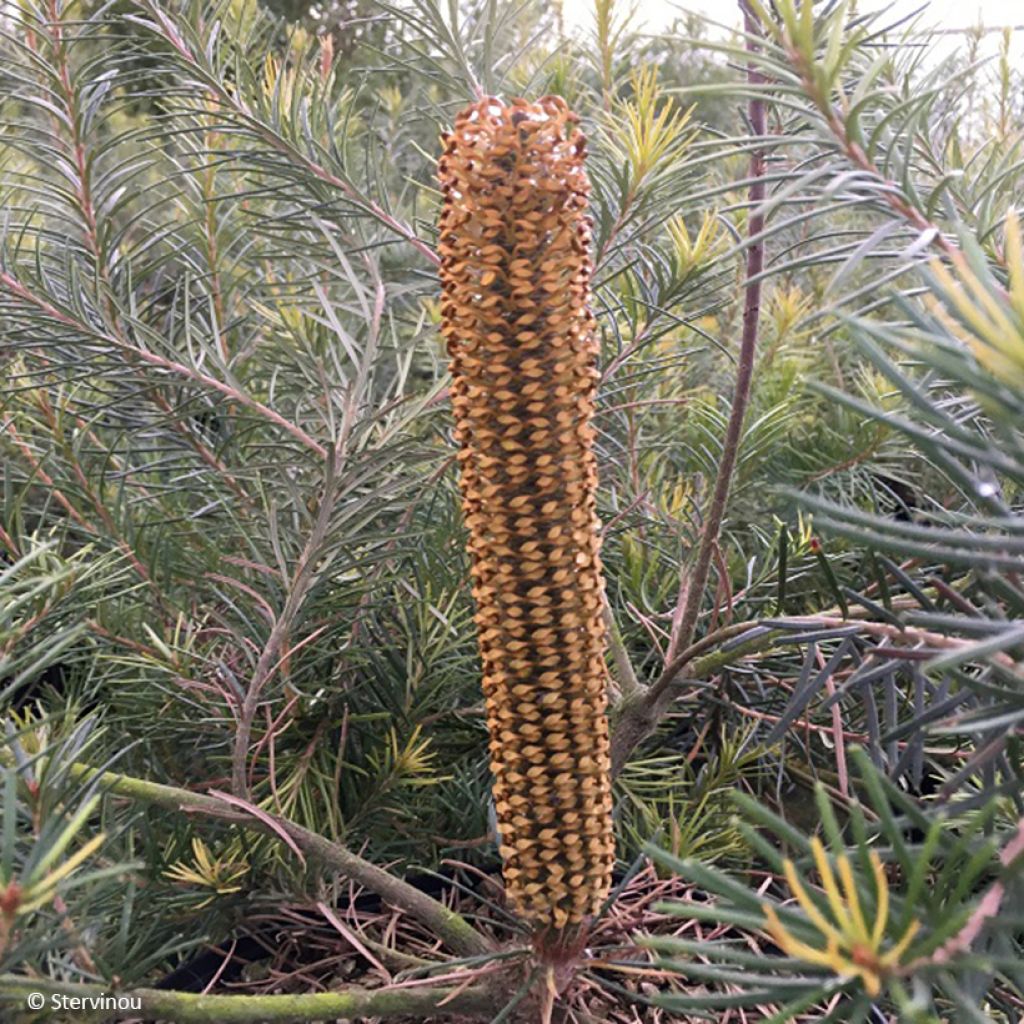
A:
{"points": [[515, 271]]}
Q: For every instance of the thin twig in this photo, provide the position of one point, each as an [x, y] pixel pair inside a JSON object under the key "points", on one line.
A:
{"points": [[638, 718], [230, 99], [625, 675], [269, 661]]}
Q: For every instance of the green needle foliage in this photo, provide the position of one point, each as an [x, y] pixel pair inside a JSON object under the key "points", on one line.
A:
{"points": [[239, 682], [891, 909]]}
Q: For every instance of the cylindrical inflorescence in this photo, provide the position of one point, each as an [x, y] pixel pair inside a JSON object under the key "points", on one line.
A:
{"points": [[515, 270]]}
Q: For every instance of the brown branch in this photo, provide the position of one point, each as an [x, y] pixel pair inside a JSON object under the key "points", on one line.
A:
{"points": [[745, 368], [638, 718]]}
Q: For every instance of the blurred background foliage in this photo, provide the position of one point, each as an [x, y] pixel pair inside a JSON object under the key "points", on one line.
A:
{"points": [[229, 505]]}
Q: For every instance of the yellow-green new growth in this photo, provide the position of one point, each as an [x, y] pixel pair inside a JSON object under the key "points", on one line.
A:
{"points": [[222, 875], [993, 320], [853, 948]]}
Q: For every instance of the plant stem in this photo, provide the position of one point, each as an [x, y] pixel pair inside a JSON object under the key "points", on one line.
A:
{"points": [[640, 716], [625, 679], [298, 589], [133, 352], [745, 369], [165, 27], [458, 934], [197, 1008]]}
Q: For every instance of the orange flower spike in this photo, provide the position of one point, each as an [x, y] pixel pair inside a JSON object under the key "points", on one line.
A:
{"points": [[515, 273]]}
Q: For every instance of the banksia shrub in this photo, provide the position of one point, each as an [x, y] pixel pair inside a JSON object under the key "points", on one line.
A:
{"points": [[515, 271]]}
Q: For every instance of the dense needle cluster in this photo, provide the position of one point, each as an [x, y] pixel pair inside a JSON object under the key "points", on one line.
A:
{"points": [[515, 270]]}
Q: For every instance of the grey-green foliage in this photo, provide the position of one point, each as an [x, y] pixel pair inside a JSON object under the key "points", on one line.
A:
{"points": [[205, 383], [939, 363], [908, 881]]}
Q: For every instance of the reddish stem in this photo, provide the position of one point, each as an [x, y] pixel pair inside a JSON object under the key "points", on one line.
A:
{"points": [[638, 720], [745, 370]]}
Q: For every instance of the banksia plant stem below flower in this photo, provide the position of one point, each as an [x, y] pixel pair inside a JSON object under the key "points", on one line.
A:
{"points": [[515, 271]]}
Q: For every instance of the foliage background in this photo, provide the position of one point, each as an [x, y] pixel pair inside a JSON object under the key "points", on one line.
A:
{"points": [[232, 550]]}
